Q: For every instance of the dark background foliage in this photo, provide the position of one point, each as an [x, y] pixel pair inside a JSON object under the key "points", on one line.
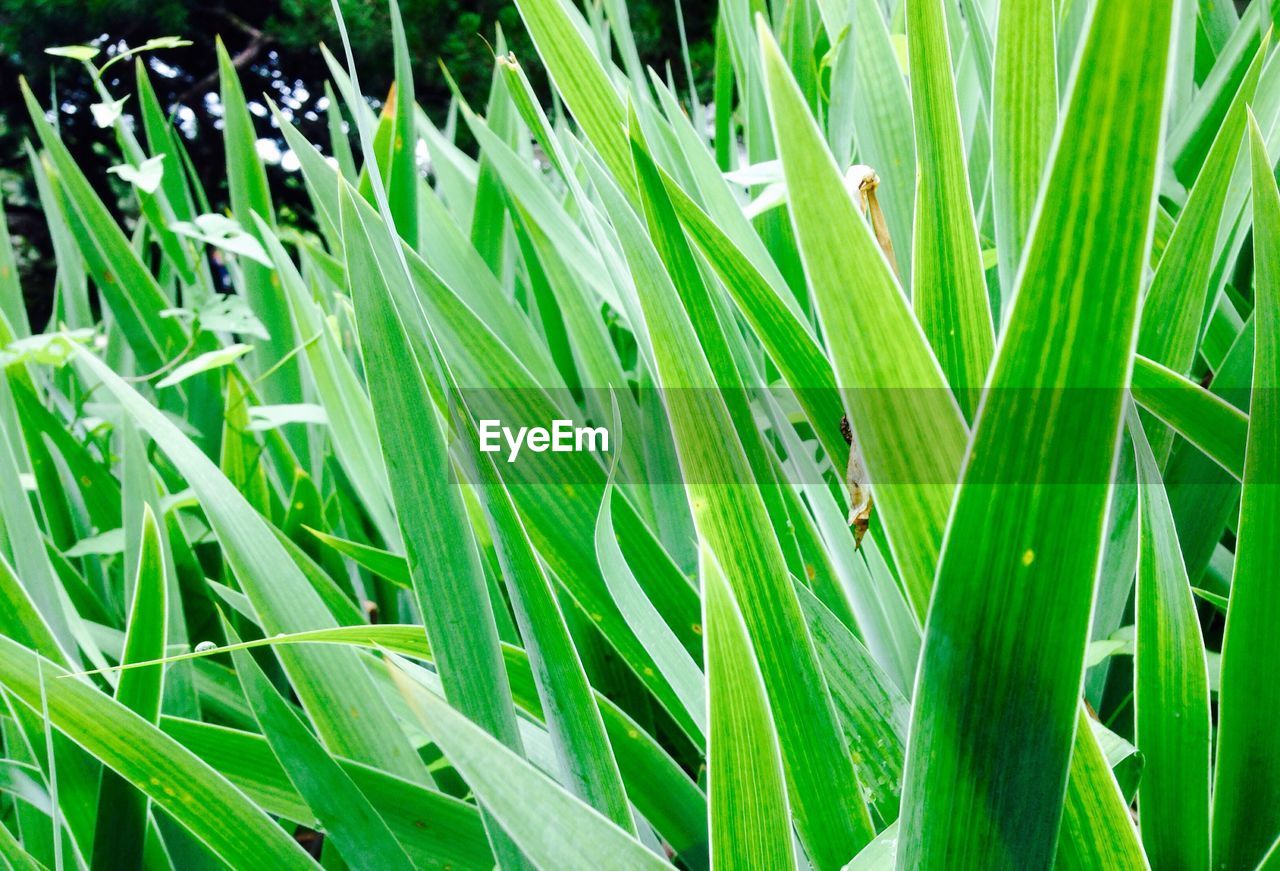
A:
{"points": [[275, 46]]}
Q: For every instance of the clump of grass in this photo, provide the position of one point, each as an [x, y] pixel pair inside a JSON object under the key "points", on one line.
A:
{"points": [[1009, 304]]}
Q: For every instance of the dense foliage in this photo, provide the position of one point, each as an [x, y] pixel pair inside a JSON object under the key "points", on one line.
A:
{"points": [[938, 525]]}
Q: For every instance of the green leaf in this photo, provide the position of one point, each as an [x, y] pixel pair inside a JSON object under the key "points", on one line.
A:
{"points": [[73, 303], [12, 852], [106, 113], [565, 523], [661, 791], [583, 83], [1024, 116], [1026, 527], [1272, 860], [188, 790], [781, 330], [23, 538], [721, 348], [402, 173], [520, 796], [1246, 810], [222, 232], [128, 287], [1193, 131], [670, 656], [224, 313], [22, 621], [330, 684], [437, 830], [50, 349], [391, 566], [880, 854], [267, 417], [122, 810], [730, 516], [883, 126], [578, 736], [1208, 422], [1205, 498], [13, 307], [1175, 306], [250, 196], [350, 415], [948, 289], [360, 834], [204, 362], [902, 414], [447, 577], [1171, 684], [156, 43], [1097, 832], [102, 544], [454, 276], [750, 819], [489, 226], [874, 712]]}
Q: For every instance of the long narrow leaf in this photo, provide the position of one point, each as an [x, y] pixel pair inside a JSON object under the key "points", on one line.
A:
{"points": [[1246, 810], [1027, 525]]}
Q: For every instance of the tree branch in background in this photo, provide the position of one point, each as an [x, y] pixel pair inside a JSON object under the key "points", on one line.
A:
{"points": [[258, 40]]}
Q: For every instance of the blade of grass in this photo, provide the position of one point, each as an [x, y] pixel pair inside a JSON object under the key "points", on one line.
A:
{"points": [[668, 653], [578, 736], [565, 523], [1097, 832], [437, 830], [72, 304], [522, 797], [750, 819], [17, 858], [1191, 136], [13, 307], [788, 339], [720, 345], [882, 117], [948, 289], [191, 792], [330, 684], [580, 79], [402, 173], [1204, 496], [730, 516], [1024, 117], [1246, 810], [875, 713], [903, 416], [447, 576], [489, 219], [1019, 534], [1210, 423], [1173, 309], [1171, 686], [351, 423], [24, 540], [135, 298], [249, 194], [346, 815], [122, 810]]}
